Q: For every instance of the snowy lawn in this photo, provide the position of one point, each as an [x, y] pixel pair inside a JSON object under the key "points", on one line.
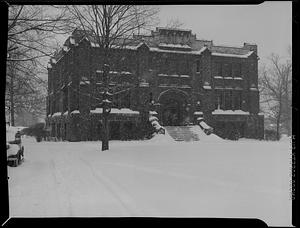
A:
{"points": [[245, 178]]}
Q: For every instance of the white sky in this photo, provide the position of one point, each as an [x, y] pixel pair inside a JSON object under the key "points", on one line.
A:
{"points": [[269, 24]]}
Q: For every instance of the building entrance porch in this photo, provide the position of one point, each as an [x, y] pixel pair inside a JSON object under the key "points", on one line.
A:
{"points": [[173, 110]]}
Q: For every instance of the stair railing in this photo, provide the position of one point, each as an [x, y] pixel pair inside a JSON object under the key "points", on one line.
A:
{"points": [[206, 128], [158, 128]]}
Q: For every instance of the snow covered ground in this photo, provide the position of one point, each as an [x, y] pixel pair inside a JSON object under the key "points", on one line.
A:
{"points": [[159, 177]]}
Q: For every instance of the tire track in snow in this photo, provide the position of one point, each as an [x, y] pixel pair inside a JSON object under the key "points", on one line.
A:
{"points": [[117, 191], [54, 172]]}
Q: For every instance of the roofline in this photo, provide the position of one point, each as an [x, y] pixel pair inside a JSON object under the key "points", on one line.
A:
{"points": [[176, 29]]}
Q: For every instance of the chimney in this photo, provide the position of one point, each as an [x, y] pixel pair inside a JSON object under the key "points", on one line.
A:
{"points": [[250, 47]]}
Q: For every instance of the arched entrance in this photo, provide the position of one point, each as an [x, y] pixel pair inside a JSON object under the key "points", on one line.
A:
{"points": [[173, 107]]}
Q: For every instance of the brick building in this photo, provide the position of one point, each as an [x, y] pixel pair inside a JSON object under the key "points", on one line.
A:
{"points": [[169, 72]]}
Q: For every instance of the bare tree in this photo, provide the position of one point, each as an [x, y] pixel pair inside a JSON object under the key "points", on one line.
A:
{"points": [[31, 31], [109, 24], [31, 37], [276, 92]]}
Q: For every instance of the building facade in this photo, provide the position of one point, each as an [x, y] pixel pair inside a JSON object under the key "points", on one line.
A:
{"points": [[169, 73]]}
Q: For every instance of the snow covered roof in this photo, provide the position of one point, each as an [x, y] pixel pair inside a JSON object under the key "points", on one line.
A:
{"points": [[181, 46], [173, 29], [229, 112], [193, 52], [231, 55]]}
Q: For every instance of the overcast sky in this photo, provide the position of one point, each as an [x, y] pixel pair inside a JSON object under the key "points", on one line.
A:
{"points": [[269, 24]]}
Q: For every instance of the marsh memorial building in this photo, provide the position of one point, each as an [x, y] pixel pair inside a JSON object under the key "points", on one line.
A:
{"points": [[169, 74]]}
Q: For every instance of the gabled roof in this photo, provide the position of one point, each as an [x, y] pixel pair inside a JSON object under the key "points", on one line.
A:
{"points": [[154, 43]]}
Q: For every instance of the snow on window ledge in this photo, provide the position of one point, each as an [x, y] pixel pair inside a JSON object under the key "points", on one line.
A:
{"points": [[184, 76], [218, 77], [229, 112], [207, 87]]}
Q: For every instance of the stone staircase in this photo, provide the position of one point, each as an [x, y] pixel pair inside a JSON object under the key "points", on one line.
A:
{"points": [[182, 133]]}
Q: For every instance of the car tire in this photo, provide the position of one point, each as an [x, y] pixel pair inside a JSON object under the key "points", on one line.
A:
{"points": [[16, 163]]}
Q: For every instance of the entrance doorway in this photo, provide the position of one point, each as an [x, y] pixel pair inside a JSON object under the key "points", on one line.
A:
{"points": [[171, 114], [173, 107]]}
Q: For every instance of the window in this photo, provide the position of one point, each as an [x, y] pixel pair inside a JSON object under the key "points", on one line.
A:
{"points": [[219, 100], [151, 62], [197, 65], [228, 100], [183, 66], [237, 100], [227, 70], [125, 100], [173, 66], [164, 65], [150, 97], [65, 99], [236, 70], [219, 69]]}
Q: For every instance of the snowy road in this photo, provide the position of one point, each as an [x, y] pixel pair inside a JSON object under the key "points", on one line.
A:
{"points": [[203, 179]]}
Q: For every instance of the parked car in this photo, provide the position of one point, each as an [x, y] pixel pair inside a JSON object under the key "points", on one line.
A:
{"points": [[15, 154], [14, 148]]}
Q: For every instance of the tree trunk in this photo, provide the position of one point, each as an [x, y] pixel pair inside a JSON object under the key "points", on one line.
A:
{"points": [[278, 128], [105, 138], [12, 103], [278, 119]]}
